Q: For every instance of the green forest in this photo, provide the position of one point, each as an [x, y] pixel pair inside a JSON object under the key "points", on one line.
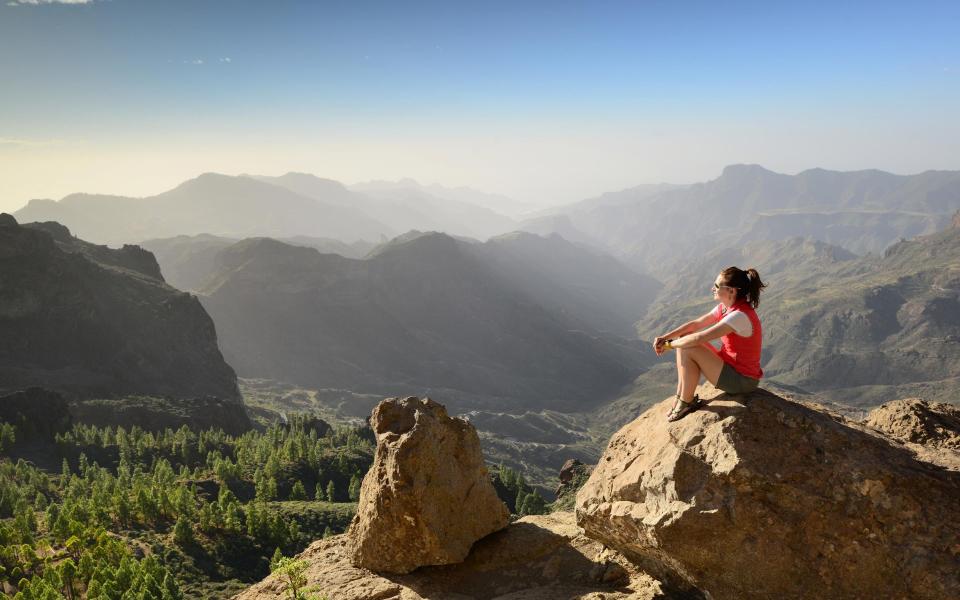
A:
{"points": [[134, 514]]}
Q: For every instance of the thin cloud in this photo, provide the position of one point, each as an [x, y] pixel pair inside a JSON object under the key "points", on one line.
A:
{"points": [[38, 2]]}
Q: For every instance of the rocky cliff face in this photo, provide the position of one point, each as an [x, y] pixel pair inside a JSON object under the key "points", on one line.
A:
{"points": [[91, 322], [759, 497]]}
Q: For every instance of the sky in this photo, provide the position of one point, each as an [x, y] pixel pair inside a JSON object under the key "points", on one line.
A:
{"points": [[545, 102]]}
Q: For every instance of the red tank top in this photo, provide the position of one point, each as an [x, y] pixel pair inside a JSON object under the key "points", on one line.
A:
{"points": [[742, 353]]}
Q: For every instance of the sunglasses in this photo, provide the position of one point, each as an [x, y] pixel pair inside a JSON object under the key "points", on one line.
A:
{"points": [[717, 287]]}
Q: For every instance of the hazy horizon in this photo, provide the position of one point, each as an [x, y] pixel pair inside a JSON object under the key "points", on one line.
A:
{"points": [[546, 104]]}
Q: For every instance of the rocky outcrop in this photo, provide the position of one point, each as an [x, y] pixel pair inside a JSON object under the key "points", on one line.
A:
{"points": [[756, 496], [930, 430], [537, 558], [573, 474], [76, 324], [91, 322], [428, 496]]}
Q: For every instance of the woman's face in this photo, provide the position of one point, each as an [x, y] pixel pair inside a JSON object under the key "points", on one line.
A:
{"points": [[723, 292]]}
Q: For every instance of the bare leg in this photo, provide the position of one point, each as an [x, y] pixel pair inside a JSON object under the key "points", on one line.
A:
{"points": [[679, 374], [693, 362]]}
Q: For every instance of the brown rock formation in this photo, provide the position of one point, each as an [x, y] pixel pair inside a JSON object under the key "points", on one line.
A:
{"points": [[760, 497], [931, 431], [537, 558], [88, 321], [572, 475], [428, 496]]}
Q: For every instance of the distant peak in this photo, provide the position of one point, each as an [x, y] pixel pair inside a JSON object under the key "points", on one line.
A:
{"points": [[745, 169], [416, 240], [211, 175]]}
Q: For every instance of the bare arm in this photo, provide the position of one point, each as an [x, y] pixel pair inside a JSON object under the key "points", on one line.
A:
{"points": [[718, 330], [685, 329]]}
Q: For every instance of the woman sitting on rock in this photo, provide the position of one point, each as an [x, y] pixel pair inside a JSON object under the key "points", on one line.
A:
{"points": [[735, 368]]}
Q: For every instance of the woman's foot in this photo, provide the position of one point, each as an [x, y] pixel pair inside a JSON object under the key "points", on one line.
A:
{"points": [[682, 409]]}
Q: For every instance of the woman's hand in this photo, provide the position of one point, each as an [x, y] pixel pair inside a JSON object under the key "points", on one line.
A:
{"points": [[658, 343]]}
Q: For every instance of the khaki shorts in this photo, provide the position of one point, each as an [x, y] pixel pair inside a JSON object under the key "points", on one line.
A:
{"points": [[732, 382]]}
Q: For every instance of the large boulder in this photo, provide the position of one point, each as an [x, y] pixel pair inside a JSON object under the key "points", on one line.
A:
{"points": [[544, 557], [428, 496], [756, 496], [930, 430]]}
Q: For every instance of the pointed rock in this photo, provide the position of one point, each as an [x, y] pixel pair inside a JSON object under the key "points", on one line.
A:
{"points": [[428, 496]]}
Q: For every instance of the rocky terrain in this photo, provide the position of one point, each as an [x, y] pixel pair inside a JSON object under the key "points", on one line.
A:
{"points": [[96, 323], [543, 557], [430, 525], [930, 430], [754, 496]]}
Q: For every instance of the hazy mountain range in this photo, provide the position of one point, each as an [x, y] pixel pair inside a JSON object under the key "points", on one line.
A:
{"points": [[539, 336], [657, 230], [294, 204], [515, 323], [187, 261], [653, 228]]}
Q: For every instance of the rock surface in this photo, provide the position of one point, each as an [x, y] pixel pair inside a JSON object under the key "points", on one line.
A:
{"points": [[88, 321], [930, 430], [572, 475], [428, 496], [537, 558], [756, 496]]}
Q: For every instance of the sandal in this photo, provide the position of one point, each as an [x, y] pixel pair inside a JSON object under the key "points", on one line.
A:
{"points": [[682, 409]]}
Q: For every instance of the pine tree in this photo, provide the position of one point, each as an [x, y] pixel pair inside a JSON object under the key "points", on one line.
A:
{"points": [[331, 492], [533, 504], [183, 533], [518, 503], [318, 494], [171, 591], [298, 492], [8, 436], [354, 489]]}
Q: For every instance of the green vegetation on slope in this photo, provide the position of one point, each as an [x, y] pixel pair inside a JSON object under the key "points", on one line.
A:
{"points": [[174, 514]]}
